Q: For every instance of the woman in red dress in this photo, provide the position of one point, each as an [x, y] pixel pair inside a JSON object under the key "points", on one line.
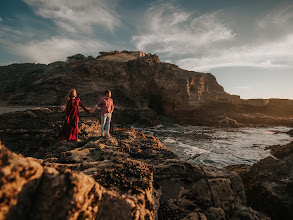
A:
{"points": [[69, 130]]}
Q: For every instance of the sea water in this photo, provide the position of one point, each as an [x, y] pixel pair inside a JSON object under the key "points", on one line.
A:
{"points": [[7, 109], [219, 147]]}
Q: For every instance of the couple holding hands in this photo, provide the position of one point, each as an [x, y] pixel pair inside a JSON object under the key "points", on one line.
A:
{"points": [[69, 130]]}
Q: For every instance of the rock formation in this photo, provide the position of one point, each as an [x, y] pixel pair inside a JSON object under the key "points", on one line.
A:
{"points": [[139, 82], [94, 178], [31, 191], [136, 79], [269, 183]]}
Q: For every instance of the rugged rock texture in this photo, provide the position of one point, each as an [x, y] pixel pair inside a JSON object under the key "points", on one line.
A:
{"points": [[94, 178], [139, 82], [31, 191], [235, 114], [269, 183], [136, 79]]}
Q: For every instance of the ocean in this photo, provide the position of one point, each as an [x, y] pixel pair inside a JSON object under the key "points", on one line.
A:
{"points": [[219, 147], [11, 108]]}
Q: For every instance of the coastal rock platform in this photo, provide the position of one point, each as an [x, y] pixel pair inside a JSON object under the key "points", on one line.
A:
{"points": [[129, 175]]}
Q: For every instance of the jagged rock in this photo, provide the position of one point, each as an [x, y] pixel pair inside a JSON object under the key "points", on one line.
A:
{"points": [[282, 151], [29, 190], [290, 133], [269, 184]]}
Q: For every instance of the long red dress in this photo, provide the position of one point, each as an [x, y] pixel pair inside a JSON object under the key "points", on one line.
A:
{"points": [[69, 130]]}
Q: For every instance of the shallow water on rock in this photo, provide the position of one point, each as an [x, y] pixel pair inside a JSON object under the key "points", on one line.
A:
{"points": [[219, 147], [7, 109]]}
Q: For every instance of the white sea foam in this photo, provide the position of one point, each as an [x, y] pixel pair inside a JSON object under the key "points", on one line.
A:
{"points": [[169, 140], [191, 148]]}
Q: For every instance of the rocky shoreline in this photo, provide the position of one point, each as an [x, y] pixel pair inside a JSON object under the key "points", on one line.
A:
{"points": [[94, 178], [131, 175]]}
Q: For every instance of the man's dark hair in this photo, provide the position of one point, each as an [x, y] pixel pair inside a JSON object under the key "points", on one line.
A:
{"points": [[107, 91]]}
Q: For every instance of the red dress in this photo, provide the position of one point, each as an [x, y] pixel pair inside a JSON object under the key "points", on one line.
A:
{"points": [[69, 130]]}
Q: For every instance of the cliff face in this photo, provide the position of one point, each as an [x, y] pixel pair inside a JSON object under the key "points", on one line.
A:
{"points": [[142, 82], [136, 80]]}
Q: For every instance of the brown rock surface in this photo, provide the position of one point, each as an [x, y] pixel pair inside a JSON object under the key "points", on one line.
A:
{"points": [[94, 178], [139, 82], [269, 184], [31, 191], [282, 151]]}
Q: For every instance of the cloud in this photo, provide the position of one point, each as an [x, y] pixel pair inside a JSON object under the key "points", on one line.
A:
{"points": [[10, 34], [76, 15], [1, 19], [55, 48], [269, 55], [170, 30], [77, 33], [279, 16], [202, 42]]}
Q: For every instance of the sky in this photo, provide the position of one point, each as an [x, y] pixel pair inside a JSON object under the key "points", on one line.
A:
{"points": [[247, 45]]}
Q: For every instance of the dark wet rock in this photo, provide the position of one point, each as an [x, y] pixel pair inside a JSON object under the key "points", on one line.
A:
{"points": [[282, 151], [290, 133], [269, 185], [241, 169]]}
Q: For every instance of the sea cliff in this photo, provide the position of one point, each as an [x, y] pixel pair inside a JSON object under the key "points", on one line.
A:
{"points": [[139, 82]]}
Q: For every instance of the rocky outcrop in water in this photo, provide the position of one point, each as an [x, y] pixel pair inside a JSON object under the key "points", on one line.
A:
{"points": [[269, 183], [94, 178]]}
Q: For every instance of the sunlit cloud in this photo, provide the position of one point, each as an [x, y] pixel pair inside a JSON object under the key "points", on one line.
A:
{"points": [[170, 30], [269, 55], [278, 16], [81, 17], [76, 15]]}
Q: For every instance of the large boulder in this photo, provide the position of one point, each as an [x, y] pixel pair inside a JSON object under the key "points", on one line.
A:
{"points": [[269, 184]]}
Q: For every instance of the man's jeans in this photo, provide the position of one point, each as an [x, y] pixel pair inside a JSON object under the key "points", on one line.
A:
{"points": [[105, 120]]}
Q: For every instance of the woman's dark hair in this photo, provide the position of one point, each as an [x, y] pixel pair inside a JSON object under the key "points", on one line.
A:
{"points": [[107, 91]]}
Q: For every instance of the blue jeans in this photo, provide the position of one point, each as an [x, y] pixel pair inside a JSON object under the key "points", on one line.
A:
{"points": [[105, 120]]}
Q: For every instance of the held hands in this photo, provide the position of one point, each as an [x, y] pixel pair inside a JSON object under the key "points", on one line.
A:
{"points": [[93, 110]]}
